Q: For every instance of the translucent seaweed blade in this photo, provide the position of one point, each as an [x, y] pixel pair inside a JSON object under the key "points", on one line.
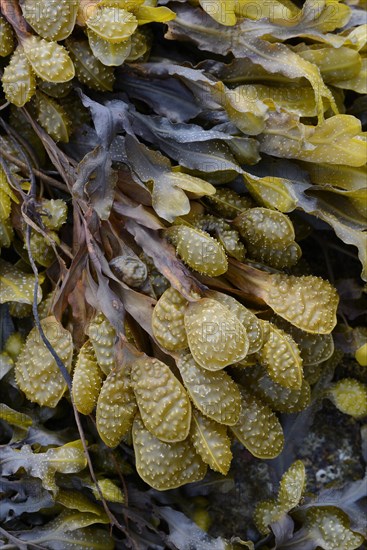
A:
{"points": [[151, 14], [66, 459], [244, 41], [330, 529], [270, 191], [109, 53], [222, 12]]}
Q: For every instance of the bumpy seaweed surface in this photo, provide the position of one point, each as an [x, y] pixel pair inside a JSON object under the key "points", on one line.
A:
{"points": [[182, 274]]}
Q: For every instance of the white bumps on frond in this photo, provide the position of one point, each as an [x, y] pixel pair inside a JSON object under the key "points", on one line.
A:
{"points": [[258, 428], [350, 397], [269, 227], [266, 513], [41, 250], [215, 394], [15, 285], [308, 302], [56, 90], [314, 348], [330, 528], [103, 337], [19, 81], [199, 250], [50, 60], [116, 408], [19, 310], [89, 70], [87, 380], [140, 44], [249, 320], [6, 233], [269, 237], [163, 402], [279, 398], [36, 371], [109, 53], [282, 258], [52, 117], [165, 465], [290, 493], [292, 486], [216, 336], [222, 232], [5, 206], [281, 356], [211, 442], [168, 320], [228, 203], [53, 213], [112, 23], [6, 38], [51, 19]]}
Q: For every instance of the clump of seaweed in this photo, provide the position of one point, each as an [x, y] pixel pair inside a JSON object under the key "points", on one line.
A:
{"points": [[175, 181], [332, 520]]}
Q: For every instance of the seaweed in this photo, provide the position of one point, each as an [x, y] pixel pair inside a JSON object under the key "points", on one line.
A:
{"points": [[182, 267]]}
